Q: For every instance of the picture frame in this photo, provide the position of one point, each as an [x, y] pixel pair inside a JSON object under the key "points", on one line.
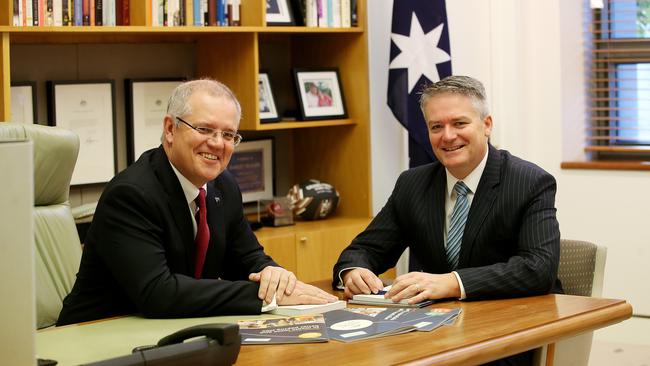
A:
{"points": [[267, 107], [252, 166], [320, 95], [88, 109], [146, 107], [23, 102], [278, 12]]}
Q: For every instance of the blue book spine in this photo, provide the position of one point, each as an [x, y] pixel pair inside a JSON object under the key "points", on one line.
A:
{"points": [[198, 15], [330, 13], [221, 14], [78, 13]]}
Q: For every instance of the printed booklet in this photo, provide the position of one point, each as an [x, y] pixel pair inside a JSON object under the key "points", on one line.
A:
{"points": [[297, 329], [353, 324]]}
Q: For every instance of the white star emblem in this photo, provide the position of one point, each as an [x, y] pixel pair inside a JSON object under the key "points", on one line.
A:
{"points": [[420, 53]]}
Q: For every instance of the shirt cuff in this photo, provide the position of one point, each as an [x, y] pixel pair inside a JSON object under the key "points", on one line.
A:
{"points": [[268, 307], [463, 296]]}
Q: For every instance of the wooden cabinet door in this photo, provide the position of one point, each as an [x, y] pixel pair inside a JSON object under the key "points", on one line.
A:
{"points": [[318, 251], [283, 251]]}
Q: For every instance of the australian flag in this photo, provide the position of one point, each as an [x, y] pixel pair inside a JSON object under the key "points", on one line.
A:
{"points": [[419, 54]]}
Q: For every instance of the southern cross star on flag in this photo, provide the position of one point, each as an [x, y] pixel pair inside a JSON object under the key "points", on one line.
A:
{"points": [[419, 55]]}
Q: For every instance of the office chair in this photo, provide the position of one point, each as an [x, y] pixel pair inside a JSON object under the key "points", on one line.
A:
{"points": [[58, 250], [581, 270]]}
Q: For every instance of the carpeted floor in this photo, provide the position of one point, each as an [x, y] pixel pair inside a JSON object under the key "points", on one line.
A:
{"points": [[623, 344]]}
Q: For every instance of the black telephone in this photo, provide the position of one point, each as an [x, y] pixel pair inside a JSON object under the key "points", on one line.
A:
{"points": [[219, 345]]}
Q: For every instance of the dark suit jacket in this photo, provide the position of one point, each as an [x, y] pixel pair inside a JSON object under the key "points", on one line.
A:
{"points": [[511, 243], [139, 251]]}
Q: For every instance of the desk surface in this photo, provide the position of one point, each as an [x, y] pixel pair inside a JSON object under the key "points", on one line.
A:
{"points": [[485, 330]]}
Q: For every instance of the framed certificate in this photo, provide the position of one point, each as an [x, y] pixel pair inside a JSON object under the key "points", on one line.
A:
{"points": [[252, 166], [88, 109], [146, 106], [23, 102]]}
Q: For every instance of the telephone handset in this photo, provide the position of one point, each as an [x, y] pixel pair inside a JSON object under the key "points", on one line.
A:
{"points": [[219, 345], [223, 333]]}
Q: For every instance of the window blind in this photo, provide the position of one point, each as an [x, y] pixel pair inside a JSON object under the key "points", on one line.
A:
{"points": [[618, 56]]}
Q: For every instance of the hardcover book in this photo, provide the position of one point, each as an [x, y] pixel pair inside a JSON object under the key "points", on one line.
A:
{"points": [[298, 329], [379, 300], [293, 310]]}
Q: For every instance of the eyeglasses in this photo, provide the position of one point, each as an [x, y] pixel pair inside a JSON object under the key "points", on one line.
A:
{"points": [[228, 136]]}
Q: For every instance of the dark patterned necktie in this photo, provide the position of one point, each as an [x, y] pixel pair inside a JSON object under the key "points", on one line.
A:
{"points": [[202, 234], [457, 225]]}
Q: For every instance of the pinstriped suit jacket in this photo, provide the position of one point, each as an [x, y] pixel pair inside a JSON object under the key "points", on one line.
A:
{"points": [[511, 243]]}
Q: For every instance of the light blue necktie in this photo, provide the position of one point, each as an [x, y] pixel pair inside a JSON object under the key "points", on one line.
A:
{"points": [[457, 225]]}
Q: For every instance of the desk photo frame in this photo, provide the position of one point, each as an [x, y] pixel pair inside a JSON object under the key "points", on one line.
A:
{"points": [[23, 102], [88, 109], [267, 107], [320, 95], [146, 107], [278, 12], [252, 166]]}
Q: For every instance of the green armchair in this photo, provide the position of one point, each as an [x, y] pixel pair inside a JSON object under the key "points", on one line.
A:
{"points": [[58, 250]]}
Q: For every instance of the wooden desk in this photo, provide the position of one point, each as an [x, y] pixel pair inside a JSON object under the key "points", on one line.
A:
{"points": [[485, 331]]}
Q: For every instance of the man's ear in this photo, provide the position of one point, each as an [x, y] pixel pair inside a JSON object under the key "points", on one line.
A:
{"points": [[168, 129], [487, 122]]}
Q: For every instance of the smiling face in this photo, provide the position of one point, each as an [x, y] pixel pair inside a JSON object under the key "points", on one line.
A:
{"points": [[197, 157], [458, 135]]}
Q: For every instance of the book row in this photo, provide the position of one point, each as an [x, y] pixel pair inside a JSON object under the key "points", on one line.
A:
{"points": [[71, 12], [170, 13]]}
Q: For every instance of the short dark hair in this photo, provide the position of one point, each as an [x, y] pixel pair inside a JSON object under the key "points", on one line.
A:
{"points": [[458, 84]]}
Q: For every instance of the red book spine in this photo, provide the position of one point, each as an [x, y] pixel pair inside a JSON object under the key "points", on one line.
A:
{"points": [[118, 12], [126, 14], [212, 12], [85, 10]]}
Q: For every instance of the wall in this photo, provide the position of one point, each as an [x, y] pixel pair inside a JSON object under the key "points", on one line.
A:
{"points": [[530, 56]]}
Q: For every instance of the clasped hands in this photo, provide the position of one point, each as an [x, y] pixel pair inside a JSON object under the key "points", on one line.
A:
{"points": [[278, 282], [414, 286]]}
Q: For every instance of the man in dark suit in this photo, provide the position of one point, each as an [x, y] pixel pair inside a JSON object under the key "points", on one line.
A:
{"points": [[504, 231], [145, 252]]}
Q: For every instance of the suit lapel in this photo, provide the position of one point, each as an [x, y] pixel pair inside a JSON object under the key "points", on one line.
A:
{"points": [[177, 205], [217, 246], [482, 203], [437, 212]]}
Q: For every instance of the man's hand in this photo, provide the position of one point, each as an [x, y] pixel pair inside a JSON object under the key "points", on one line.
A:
{"points": [[361, 281], [421, 286], [305, 294], [274, 281]]}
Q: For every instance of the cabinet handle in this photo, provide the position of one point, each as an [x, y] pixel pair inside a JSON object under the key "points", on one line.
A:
{"points": [[303, 240]]}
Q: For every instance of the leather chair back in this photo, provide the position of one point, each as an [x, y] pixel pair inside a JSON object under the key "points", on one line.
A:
{"points": [[58, 250]]}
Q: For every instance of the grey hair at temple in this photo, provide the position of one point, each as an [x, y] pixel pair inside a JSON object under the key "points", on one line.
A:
{"points": [[178, 105], [458, 84]]}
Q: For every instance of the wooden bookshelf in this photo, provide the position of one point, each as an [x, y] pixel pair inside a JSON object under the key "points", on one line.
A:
{"points": [[336, 151]]}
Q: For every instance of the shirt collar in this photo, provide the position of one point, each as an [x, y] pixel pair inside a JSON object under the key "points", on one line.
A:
{"points": [[189, 189], [471, 180]]}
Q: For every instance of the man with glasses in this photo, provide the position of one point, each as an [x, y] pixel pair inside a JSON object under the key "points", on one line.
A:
{"points": [[169, 237]]}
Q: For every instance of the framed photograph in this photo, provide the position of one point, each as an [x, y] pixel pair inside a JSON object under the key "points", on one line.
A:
{"points": [[278, 12], [23, 102], [252, 166], [320, 94], [88, 109], [268, 110], [146, 106]]}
